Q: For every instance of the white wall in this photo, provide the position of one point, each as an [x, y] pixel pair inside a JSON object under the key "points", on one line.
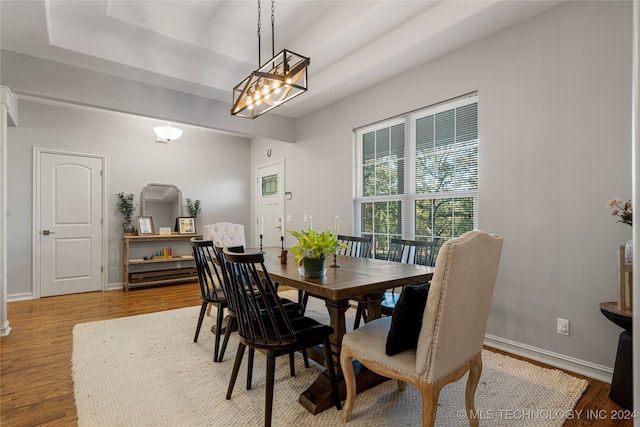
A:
{"points": [[204, 164], [554, 124]]}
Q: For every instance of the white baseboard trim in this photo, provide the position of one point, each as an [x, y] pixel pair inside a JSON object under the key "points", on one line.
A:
{"points": [[5, 329], [561, 361], [19, 296], [29, 295]]}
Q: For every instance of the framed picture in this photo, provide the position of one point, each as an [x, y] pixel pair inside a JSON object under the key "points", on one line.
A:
{"points": [[145, 225], [186, 225]]}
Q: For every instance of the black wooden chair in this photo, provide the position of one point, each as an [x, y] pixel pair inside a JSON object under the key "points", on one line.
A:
{"points": [[359, 247], [265, 325], [232, 325], [211, 290], [419, 252]]}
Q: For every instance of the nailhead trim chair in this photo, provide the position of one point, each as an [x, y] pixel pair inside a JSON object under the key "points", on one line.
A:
{"points": [[452, 333]]}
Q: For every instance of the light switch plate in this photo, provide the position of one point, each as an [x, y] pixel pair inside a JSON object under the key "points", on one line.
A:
{"points": [[562, 326]]}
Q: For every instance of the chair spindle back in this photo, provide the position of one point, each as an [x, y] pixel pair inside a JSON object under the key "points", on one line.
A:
{"points": [[262, 320], [419, 252], [359, 247], [209, 277]]}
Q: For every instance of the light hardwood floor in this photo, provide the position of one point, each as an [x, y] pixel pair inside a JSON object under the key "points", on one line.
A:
{"points": [[35, 380]]}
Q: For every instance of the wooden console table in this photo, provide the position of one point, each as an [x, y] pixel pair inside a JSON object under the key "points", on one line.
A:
{"points": [[157, 270]]}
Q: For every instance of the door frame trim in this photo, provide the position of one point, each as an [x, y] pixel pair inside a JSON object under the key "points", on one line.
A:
{"points": [[36, 282], [256, 196]]}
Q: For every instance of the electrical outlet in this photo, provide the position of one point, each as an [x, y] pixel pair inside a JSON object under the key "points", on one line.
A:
{"points": [[304, 218], [288, 218], [563, 326], [179, 264]]}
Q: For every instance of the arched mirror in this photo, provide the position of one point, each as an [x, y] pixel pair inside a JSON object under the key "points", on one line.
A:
{"points": [[162, 202]]}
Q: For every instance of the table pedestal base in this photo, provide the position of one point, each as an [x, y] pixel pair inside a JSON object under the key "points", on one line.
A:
{"points": [[622, 381], [317, 397]]}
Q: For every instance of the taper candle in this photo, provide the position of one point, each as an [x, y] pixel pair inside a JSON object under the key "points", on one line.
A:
{"points": [[337, 223], [282, 226], [262, 227], [310, 222]]}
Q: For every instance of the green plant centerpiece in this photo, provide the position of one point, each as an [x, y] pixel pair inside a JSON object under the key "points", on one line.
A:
{"points": [[126, 207], [312, 250]]}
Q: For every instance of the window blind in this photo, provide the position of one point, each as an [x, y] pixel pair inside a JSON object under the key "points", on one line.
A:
{"points": [[436, 197]]}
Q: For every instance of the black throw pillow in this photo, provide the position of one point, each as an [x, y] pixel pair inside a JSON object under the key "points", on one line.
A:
{"points": [[407, 319], [236, 249]]}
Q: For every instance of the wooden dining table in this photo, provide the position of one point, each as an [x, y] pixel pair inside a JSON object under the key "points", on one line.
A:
{"points": [[356, 277]]}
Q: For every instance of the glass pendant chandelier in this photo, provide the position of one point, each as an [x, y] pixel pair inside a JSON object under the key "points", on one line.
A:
{"points": [[280, 79]]}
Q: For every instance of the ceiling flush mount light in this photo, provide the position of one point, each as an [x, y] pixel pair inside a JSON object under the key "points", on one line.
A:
{"points": [[280, 79], [167, 133]]}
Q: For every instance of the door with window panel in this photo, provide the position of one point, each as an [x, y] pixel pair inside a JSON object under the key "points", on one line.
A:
{"points": [[270, 203]]}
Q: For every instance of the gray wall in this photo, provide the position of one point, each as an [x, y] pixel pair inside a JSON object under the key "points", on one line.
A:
{"points": [[27, 75], [555, 146], [204, 164]]}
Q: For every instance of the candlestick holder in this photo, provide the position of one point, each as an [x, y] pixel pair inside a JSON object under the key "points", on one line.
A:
{"points": [[261, 242], [335, 262], [282, 242]]}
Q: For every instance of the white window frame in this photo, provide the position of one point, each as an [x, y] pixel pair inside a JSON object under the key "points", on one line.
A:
{"points": [[409, 196]]}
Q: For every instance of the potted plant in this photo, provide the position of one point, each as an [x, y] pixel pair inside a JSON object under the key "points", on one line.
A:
{"points": [[313, 249], [623, 210], [193, 207], [126, 207]]}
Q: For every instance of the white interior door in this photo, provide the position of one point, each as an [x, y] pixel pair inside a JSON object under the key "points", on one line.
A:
{"points": [[270, 203], [69, 216]]}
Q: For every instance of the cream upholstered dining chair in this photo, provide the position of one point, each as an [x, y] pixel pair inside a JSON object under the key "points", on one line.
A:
{"points": [[224, 234], [449, 342]]}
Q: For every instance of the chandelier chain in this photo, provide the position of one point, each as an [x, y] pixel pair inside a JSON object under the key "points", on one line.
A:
{"points": [[272, 84], [259, 19], [259, 30], [273, 21]]}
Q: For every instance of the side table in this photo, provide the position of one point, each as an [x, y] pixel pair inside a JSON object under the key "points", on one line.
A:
{"points": [[622, 382]]}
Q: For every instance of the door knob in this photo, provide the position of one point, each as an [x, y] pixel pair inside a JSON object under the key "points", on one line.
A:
{"points": [[47, 232]]}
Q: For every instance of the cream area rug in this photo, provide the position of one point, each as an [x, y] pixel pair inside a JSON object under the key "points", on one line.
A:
{"points": [[146, 371]]}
